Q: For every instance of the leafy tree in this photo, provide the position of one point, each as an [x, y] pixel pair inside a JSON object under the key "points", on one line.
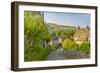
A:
{"points": [[65, 33], [35, 33], [35, 27], [69, 45], [69, 33], [85, 47]]}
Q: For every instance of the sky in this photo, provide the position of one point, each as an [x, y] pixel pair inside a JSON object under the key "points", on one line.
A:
{"points": [[68, 19]]}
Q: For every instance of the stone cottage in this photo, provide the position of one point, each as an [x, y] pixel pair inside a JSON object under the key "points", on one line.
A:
{"points": [[81, 35]]}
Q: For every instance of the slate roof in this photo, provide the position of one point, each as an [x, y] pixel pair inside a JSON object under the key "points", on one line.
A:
{"points": [[54, 36]]}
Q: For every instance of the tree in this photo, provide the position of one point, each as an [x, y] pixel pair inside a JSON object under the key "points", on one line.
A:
{"points": [[69, 45], [65, 33], [85, 47], [35, 32], [35, 26]]}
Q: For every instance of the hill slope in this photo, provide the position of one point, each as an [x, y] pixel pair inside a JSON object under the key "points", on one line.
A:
{"points": [[54, 27]]}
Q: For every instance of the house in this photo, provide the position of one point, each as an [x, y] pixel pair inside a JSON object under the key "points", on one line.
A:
{"points": [[60, 41], [55, 39], [50, 43], [81, 35]]}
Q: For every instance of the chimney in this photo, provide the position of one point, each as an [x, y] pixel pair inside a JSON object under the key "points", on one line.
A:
{"points": [[78, 27], [87, 27]]}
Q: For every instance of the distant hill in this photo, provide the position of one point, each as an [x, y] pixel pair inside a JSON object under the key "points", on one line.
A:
{"points": [[54, 27]]}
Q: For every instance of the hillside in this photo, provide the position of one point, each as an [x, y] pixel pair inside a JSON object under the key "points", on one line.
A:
{"points": [[54, 27]]}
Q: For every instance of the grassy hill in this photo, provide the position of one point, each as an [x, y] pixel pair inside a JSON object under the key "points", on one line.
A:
{"points": [[55, 27]]}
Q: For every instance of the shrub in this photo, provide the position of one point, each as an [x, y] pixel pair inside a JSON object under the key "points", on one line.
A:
{"points": [[51, 48], [35, 33], [69, 45], [85, 47], [56, 47], [36, 54]]}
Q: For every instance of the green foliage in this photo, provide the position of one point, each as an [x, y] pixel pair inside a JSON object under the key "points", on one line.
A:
{"points": [[35, 33], [69, 45], [37, 53], [51, 48], [65, 33], [69, 33], [35, 26], [56, 47], [85, 47]]}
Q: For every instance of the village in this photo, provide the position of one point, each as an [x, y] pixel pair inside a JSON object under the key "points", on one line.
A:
{"points": [[44, 40], [80, 36]]}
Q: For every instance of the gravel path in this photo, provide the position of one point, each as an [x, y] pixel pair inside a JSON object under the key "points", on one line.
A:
{"points": [[60, 54]]}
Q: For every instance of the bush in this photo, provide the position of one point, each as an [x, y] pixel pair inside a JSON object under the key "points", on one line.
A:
{"points": [[51, 48], [36, 54], [35, 33], [85, 47], [69, 45]]}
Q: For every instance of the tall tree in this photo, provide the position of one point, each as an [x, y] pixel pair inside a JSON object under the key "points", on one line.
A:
{"points": [[35, 32]]}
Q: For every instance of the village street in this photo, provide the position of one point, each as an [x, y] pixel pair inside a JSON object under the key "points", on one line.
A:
{"points": [[59, 55]]}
